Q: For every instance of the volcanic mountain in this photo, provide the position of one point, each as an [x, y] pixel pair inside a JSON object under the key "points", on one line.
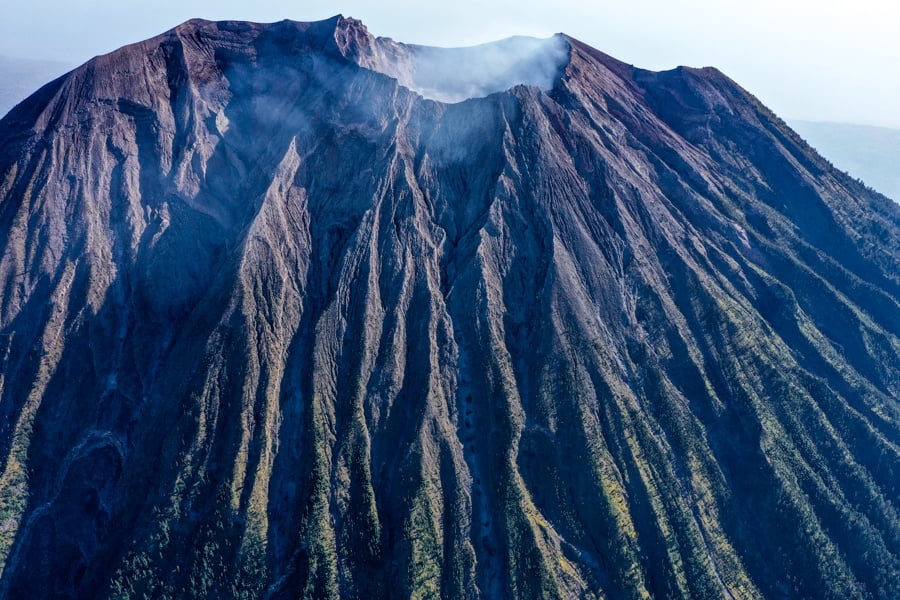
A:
{"points": [[291, 311]]}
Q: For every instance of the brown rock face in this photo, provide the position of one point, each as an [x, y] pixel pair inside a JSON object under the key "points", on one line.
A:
{"points": [[274, 325]]}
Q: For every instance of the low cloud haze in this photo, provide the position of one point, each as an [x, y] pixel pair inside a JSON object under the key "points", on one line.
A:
{"points": [[19, 78], [870, 153]]}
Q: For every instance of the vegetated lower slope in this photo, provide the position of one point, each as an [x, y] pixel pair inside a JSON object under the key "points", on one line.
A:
{"points": [[272, 325]]}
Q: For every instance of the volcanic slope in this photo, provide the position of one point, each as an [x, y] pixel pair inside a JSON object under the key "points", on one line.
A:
{"points": [[274, 325]]}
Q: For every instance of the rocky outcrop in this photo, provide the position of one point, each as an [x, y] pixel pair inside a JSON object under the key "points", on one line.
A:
{"points": [[274, 325]]}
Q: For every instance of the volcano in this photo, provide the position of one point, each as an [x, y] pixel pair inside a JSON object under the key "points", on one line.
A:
{"points": [[289, 310]]}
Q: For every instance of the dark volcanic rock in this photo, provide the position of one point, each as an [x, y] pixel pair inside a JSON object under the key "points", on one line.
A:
{"points": [[272, 324]]}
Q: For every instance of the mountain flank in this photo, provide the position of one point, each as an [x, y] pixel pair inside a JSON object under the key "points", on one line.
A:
{"points": [[273, 323]]}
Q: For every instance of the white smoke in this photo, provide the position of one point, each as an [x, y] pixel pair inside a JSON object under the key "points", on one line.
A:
{"points": [[455, 74]]}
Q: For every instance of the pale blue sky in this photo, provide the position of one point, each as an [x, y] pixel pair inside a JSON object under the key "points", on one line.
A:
{"points": [[824, 60]]}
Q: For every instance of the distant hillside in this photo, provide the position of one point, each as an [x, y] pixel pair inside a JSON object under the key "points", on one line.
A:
{"points": [[19, 77], [869, 153]]}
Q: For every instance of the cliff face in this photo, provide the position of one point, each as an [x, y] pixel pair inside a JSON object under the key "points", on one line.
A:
{"points": [[272, 324]]}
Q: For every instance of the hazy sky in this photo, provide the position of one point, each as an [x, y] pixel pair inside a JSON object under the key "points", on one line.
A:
{"points": [[817, 60]]}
